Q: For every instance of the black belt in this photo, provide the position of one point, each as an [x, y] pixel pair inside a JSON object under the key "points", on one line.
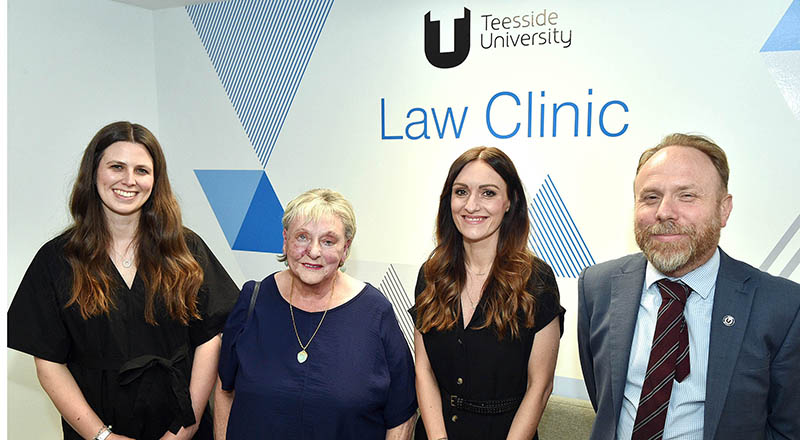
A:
{"points": [[136, 368], [497, 406], [161, 383]]}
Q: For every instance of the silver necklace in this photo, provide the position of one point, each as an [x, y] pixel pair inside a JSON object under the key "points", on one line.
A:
{"points": [[126, 262]]}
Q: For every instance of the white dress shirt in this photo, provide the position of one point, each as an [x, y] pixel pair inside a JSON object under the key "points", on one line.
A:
{"points": [[687, 402]]}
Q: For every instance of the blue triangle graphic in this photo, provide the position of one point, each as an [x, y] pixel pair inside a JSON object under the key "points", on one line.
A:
{"points": [[260, 50], [786, 35], [261, 229], [229, 192], [554, 237]]}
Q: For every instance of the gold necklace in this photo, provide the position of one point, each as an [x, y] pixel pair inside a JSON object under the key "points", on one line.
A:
{"points": [[302, 355], [469, 297], [479, 274]]}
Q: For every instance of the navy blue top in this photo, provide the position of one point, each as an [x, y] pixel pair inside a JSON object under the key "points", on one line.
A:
{"points": [[358, 380]]}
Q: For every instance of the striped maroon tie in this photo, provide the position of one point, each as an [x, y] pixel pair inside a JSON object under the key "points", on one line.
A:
{"points": [[669, 359]]}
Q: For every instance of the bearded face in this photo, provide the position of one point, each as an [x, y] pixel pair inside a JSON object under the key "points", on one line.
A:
{"points": [[680, 208], [672, 256]]}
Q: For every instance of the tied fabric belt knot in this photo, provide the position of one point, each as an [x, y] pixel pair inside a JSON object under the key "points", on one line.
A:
{"points": [[137, 369], [669, 360]]}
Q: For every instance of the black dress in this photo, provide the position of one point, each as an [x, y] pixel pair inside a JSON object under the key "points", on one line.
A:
{"points": [[134, 375], [474, 365]]}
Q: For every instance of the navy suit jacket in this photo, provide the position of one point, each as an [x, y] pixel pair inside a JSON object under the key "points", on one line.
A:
{"points": [[753, 383]]}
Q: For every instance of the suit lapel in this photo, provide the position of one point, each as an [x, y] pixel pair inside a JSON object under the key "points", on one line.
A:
{"points": [[626, 294], [731, 297]]}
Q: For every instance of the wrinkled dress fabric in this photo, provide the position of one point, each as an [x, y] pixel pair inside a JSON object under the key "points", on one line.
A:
{"points": [[134, 375], [357, 382], [473, 364]]}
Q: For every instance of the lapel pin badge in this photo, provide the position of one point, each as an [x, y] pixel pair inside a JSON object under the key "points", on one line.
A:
{"points": [[728, 321]]}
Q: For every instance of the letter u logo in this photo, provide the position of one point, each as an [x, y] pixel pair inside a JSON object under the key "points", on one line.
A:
{"points": [[460, 42]]}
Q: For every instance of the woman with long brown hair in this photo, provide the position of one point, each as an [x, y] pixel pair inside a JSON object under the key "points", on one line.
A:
{"points": [[487, 310], [122, 312]]}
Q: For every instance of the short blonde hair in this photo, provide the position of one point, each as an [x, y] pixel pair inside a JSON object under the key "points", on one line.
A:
{"points": [[318, 203]]}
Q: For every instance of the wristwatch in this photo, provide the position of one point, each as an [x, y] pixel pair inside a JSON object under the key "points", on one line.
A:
{"points": [[103, 433]]}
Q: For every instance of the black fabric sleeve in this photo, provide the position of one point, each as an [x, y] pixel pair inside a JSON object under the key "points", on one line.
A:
{"points": [[217, 294], [548, 303], [35, 321], [418, 288]]}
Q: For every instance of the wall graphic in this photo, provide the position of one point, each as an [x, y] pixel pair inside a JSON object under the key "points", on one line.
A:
{"points": [[392, 288], [781, 53], [256, 101], [246, 207], [554, 236], [782, 247], [376, 100], [260, 50]]}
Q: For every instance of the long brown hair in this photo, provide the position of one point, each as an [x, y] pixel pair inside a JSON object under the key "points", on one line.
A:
{"points": [[507, 304], [164, 262]]}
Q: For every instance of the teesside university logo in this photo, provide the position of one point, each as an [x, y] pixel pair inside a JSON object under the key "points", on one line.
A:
{"points": [[523, 31], [460, 42], [532, 113]]}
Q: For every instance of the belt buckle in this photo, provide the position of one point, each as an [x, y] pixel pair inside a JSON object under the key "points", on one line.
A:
{"points": [[454, 401]]}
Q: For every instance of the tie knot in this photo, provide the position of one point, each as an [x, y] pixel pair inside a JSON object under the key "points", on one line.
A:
{"points": [[673, 290]]}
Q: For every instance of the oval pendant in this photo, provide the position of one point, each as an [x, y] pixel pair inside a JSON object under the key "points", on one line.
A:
{"points": [[302, 356]]}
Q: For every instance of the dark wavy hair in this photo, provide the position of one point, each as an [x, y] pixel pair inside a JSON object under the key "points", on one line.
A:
{"points": [[164, 262], [507, 302]]}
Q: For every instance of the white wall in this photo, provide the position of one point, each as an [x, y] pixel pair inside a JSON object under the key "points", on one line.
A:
{"points": [[73, 66], [198, 126], [685, 66]]}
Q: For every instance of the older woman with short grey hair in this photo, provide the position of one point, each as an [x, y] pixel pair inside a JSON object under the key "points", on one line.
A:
{"points": [[311, 352]]}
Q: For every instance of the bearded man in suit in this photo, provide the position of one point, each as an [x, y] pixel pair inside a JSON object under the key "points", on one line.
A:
{"points": [[682, 341]]}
